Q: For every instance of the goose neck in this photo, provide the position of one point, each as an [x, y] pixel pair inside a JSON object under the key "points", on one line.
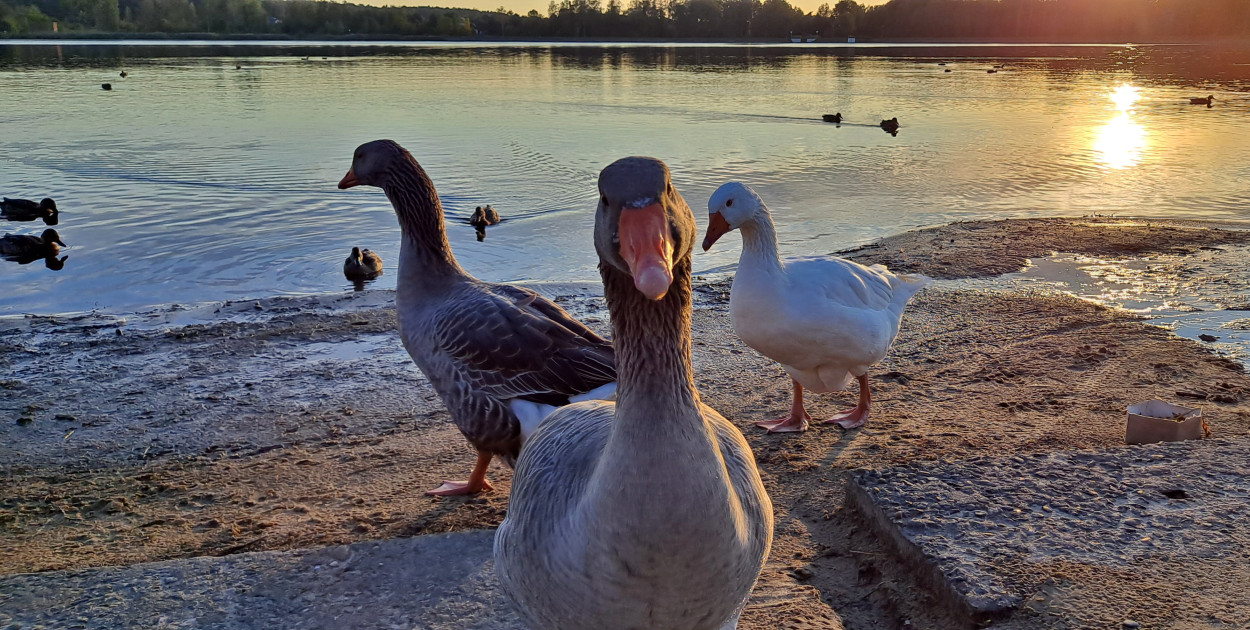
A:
{"points": [[759, 243]]}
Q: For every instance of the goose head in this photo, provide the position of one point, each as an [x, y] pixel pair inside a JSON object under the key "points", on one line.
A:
{"points": [[372, 164], [731, 206], [642, 225]]}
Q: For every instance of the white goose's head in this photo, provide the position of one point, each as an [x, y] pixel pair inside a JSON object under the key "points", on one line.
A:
{"points": [[731, 206]]}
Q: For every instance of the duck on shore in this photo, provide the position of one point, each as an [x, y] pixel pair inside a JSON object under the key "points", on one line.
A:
{"points": [[27, 210], [825, 319], [650, 512], [361, 265], [45, 245], [501, 357]]}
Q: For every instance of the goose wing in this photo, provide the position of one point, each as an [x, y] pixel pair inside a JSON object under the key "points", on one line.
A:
{"points": [[510, 342], [841, 281]]}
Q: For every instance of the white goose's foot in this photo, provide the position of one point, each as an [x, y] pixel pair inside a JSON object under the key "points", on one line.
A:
{"points": [[460, 488], [787, 424], [850, 419]]}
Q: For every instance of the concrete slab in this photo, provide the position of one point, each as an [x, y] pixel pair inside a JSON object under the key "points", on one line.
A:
{"points": [[991, 535], [434, 582], [437, 582]]}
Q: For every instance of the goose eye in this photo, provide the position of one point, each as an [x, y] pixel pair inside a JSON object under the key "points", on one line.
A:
{"points": [[729, 203]]}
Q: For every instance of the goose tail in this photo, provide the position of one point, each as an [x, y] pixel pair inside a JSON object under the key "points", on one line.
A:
{"points": [[907, 285]]}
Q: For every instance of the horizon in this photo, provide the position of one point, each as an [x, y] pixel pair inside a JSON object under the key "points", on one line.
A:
{"points": [[524, 6]]}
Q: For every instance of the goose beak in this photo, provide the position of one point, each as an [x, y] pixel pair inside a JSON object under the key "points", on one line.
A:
{"points": [[349, 179], [717, 227], [647, 247]]}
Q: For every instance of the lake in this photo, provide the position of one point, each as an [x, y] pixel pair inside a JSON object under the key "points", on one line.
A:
{"points": [[193, 181]]}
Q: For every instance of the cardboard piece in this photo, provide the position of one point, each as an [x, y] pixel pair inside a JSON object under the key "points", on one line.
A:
{"points": [[1158, 421]]}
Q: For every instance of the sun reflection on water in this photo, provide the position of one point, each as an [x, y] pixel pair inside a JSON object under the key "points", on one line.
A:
{"points": [[1120, 142]]}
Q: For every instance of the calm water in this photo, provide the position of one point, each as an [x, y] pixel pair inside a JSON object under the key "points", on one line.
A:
{"points": [[194, 181]]}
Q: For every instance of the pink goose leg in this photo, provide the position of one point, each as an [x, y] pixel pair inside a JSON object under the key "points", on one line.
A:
{"points": [[858, 416], [793, 423]]}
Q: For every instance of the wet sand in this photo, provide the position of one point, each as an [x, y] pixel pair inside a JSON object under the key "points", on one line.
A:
{"points": [[291, 423]]}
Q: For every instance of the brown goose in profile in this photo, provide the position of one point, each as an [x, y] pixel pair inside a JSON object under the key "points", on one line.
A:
{"points": [[362, 265], [501, 357], [27, 210], [646, 513]]}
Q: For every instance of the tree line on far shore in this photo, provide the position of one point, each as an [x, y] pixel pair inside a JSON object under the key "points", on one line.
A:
{"points": [[932, 20]]}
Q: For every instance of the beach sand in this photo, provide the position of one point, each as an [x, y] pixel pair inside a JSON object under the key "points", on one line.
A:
{"points": [[298, 422]]}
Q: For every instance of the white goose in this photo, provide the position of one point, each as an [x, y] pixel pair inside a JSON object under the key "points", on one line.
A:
{"points": [[823, 318], [647, 513]]}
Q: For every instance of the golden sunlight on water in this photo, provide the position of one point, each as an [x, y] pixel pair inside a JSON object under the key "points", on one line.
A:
{"points": [[1119, 143]]}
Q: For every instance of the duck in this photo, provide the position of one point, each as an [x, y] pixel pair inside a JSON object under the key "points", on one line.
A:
{"points": [[1208, 101], [890, 125], [825, 319], [362, 265], [500, 357], [45, 245], [484, 216], [27, 210], [833, 118], [122, 74], [648, 512], [106, 86]]}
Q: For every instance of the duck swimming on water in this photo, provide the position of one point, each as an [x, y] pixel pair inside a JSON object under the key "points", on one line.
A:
{"points": [[28, 246], [27, 210], [362, 265]]}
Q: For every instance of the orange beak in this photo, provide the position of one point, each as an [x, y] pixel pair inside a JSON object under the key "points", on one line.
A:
{"points": [[717, 227], [349, 179], [647, 247]]}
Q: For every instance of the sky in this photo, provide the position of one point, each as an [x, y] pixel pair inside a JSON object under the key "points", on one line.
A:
{"points": [[524, 6]]}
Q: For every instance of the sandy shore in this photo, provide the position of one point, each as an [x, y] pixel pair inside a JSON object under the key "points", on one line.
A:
{"points": [[290, 423]]}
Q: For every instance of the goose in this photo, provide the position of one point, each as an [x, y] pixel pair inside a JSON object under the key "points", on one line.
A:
{"points": [[362, 265], [500, 357], [833, 118], [890, 125], [648, 512], [32, 247], [27, 210], [825, 319], [1208, 101]]}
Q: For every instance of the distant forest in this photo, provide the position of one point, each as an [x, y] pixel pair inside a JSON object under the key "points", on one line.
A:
{"points": [[931, 20]]}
